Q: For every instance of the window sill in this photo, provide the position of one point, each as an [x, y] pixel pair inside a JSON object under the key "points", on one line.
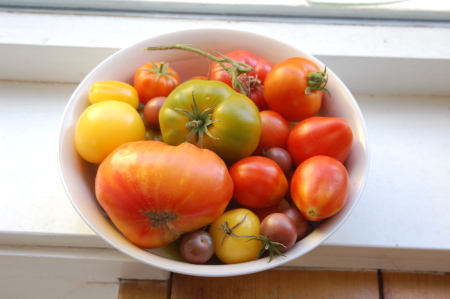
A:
{"points": [[395, 226]]}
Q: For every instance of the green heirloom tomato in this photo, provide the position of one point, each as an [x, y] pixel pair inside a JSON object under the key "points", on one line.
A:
{"points": [[211, 115]]}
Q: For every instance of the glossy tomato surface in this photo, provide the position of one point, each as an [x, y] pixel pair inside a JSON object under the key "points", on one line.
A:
{"points": [[154, 192], [285, 89], [258, 182], [228, 121], [329, 136], [320, 187]]}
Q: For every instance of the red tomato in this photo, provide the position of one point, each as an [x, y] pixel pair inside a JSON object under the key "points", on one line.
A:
{"points": [[319, 187], [258, 182], [328, 136], [280, 228], [151, 112], [275, 131], [253, 81], [155, 79], [290, 90], [154, 192]]}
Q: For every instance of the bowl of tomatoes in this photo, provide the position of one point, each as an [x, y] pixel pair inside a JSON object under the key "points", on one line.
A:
{"points": [[213, 152]]}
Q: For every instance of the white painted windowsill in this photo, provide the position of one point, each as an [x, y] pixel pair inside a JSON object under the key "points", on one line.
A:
{"points": [[399, 75]]}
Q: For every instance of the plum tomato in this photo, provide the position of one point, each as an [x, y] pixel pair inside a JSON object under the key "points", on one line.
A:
{"points": [[151, 112], [197, 247], [282, 157], [232, 233], [275, 131], [280, 228], [103, 126], [320, 187], [319, 135], [301, 223], [258, 182]]}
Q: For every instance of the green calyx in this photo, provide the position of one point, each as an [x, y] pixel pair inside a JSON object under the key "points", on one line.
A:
{"points": [[198, 122], [317, 81], [161, 70]]}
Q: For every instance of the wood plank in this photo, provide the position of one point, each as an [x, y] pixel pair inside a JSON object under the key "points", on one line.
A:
{"points": [[279, 284], [144, 289], [416, 285]]}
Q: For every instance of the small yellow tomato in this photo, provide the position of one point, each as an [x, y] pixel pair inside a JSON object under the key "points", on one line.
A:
{"points": [[113, 91], [104, 126], [232, 232]]}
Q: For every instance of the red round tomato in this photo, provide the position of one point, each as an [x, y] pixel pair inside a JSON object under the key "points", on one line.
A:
{"points": [[320, 187], [151, 112], [294, 88], [155, 79], [275, 131], [258, 182], [154, 192], [328, 136]]}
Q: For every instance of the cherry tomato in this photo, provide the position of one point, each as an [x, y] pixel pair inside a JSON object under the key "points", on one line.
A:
{"points": [[301, 223], [280, 228], [103, 126], [274, 132], [155, 79], [197, 247], [227, 232], [281, 157], [320, 187], [329, 136], [258, 182], [294, 88], [151, 112]]}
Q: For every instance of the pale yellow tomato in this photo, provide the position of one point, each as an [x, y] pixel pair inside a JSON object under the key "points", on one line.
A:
{"points": [[104, 126], [113, 91], [232, 232]]}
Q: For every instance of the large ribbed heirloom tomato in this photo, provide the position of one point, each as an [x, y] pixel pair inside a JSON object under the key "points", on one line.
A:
{"points": [[154, 192]]}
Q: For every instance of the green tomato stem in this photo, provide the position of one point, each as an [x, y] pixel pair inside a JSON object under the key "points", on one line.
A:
{"points": [[235, 68]]}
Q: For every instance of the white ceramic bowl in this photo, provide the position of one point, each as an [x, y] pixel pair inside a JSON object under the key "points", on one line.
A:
{"points": [[78, 176]]}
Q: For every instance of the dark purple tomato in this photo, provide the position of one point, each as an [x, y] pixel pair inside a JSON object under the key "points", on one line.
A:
{"points": [[197, 247], [151, 112], [279, 227], [301, 223], [281, 157]]}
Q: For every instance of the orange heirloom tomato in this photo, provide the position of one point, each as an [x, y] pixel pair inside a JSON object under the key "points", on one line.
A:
{"points": [[294, 88], [320, 187], [154, 192], [155, 79]]}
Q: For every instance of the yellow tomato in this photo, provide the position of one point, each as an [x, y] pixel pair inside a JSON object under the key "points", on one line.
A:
{"points": [[113, 91], [104, 126], [232, 232]]}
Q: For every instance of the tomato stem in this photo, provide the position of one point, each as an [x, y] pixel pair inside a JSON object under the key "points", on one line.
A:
{"points": [[198, 121], [267, 243], [234, 68], [317, 81]]}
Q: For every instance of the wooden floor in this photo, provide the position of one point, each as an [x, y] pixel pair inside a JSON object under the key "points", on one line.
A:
{"points": [[294, 284]]}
